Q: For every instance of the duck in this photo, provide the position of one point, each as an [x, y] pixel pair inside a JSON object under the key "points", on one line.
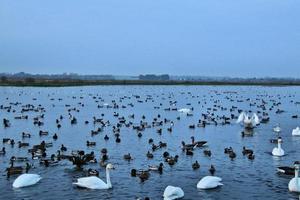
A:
{"points": [[22, 144], [212, 170], [17, 169], [187, 146], [149, 155], [171, 161], [93, 172], [26, 135], [3, 151], [88, 143], [197, 143], [143, 175], [207, 153], [93, 182], [172, 192], [287, 170], [162, 144], [63, 148], [158, 168], [209, 182], [104, 151], [247, 151], [251, 156], [150, 141], [196, 165], [189, 152], [294, 185], [127, 156], [26, 180], [277, 129], [18, 159], [278, 151], [55, 136], [274, 141], [296, 131], [228, 150], [232, 155], [133, 172]]}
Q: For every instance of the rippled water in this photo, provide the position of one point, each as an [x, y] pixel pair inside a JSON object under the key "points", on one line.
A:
{"points": [[242, 178]]}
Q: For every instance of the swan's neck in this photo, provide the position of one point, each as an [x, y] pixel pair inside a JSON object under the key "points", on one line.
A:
{"points": [[279, 145], [296, 173], [108, 179]]}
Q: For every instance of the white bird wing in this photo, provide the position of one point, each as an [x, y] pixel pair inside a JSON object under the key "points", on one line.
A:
{"points": [[26, 180], [209, 182], [172, 192], [241, 118], [296, 131], [91, 182], [255, 120], [184, 110]]}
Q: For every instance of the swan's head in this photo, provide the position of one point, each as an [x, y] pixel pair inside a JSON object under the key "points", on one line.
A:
{"points": [[279, 140], [296, 165], [109, 166]]}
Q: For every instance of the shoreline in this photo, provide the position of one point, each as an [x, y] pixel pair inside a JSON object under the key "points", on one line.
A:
{"points": [[72, 83]]}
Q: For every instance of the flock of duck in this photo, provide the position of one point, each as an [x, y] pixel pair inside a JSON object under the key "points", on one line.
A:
{"points": [[39, 152]]}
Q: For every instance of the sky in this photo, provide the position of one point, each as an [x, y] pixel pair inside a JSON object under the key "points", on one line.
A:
{"points": [[235, 38]]}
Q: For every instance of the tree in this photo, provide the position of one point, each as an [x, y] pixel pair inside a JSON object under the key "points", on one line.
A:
{"points": [[29, 80], [3, 78]]}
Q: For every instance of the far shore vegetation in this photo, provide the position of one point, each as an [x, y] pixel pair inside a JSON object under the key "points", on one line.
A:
{"points": [[34, 82]]}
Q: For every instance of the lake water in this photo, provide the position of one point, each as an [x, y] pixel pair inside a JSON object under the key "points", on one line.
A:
{"points": [[242, 178]]}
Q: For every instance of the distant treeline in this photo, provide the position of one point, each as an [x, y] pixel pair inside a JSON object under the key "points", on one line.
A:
{"points": [[153, 77], [24, 79], [70, 76], [72, 82]]}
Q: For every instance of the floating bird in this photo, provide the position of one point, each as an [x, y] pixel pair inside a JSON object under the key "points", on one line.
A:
{"points": [[25, 180], [249, 122], [209, 182], [294, 184], [172, 192], [296, 131], [94, 182], [278, 151]]}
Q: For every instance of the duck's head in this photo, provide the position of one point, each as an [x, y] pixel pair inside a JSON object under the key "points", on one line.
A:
{"points": [[110, 166]]}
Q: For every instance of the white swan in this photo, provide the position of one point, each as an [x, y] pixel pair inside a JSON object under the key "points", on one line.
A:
{"points": [[25, 180], [278, 151], [172, 192], [296, 131], [184, 110], [94, 182], [294, 182], [249, 122], [209, 182]]}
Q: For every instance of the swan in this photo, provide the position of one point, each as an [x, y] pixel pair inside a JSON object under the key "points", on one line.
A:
{"points": [[278, 151], [184, 110], [94, 182], [296, 131], [209, 182], [294, 182], [25, 180], [249, 122], [172, 192]]}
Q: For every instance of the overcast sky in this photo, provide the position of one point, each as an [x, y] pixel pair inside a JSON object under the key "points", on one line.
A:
{"points": [[237, 38]]}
